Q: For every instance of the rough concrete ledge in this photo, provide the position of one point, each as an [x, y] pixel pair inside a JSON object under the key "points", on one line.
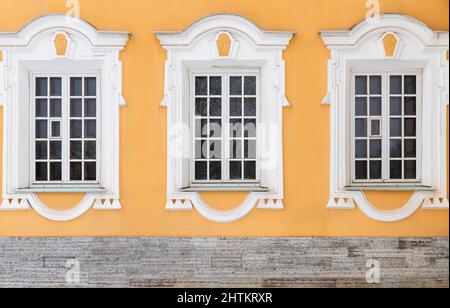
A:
{"points": [[223, 262]]}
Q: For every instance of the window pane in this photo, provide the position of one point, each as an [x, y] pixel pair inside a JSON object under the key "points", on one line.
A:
{"points": [[250, 149], [236, 149], [55, 108], [215, 86], [41, 171], [375, 149], [410, 148], [236, 170], [90, 149], [75, 171], [76, 129], [75, 108], [201, 128], [396, 148], [375, 170], [396, 127], [361, 170], [41, 108], [55, 86], [250, 85], [410, 127], [375, 85], [215, 170], [375, 106], [396, 170], [396, 106], [235, 85], [76, 86], [41, 150], [361, 106], [235, 128], [361, 149], [75, 150], [250, 170], [55, 150], [396, 85], [410, 106], [361, 85], [56, 129], [375, 127], [90, 86], [90, 107], [215, 107], [201, 170], [201, 149], [250, 128], [215, 150], [90, 171], [250, 107], [41, 129], [235, 107], [361, 128], [410, 169], [201, 107], [41, 87], [201, 86], [215, 128], [410, 85], [90, 128], [55, 171]]}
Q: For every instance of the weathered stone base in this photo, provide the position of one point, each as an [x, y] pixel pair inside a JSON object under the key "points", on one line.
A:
{"points": [[224, 262]]}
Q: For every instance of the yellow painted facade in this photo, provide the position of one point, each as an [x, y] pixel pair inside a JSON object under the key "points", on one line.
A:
{"points": [[143, 138]]}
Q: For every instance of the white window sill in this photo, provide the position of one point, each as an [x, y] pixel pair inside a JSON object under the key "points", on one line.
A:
{"points": [[62, 189], [225, 187], [388, 187]]}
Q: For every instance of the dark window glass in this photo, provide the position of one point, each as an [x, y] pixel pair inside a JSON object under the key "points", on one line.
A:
{"points": [[201, 86], [396, 127], [396, 148], [235, 128], [361, 128], [201, 107], [55, 108], [56, 129], [201, 170], [250, 107], [76, 129], [236, 170], [55, 87], [375, 85], [375, 127], [215, 85], [90, 171], [90, 128], [75, 171], [410, 85], [361, 170], [236, 149], [41, 171], [41, 129], [361, 106], [215, 170], [375, 170], [410, 148], [396, 85], [90, 150], [75, 108], [55, 150], [41, 86], [235, 85], [250, 170], [90, 86], [375, 149], [76, 86], [396, 170], [215, 107], [375, 106], [236, 107], [410, 170], [41, 108], [90, 107], [396, 106], [361, 149], [361, 85], [75, 150], [250, 85], [410, 106], [410, 127], [55, 171], [41, 150]]}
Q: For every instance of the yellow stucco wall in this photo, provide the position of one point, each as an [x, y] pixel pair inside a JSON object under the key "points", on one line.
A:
{"points": [[143, 123]]}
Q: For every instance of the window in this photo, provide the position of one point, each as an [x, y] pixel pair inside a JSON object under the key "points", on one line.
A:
{"points": [[225, 134], [65, 129], [385, 108]]}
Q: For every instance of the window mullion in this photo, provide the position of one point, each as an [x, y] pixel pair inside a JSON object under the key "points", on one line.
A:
{"points": [[225, 129], [65, 128], [386, 108]]}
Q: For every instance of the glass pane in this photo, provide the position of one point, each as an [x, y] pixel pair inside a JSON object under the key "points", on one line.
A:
{"points": [[250, 149], [396, 106], [410, 106], [375, 149], [215, 149], [215, 170], [215, 107], [55, 171], [396, 127], [90, 149], [201, 128], [55, 150], [361, 149], [201, 149], [55, 87], [41, 150], [375, 106], [235, 107], [375, 85], [396, 169], [236, 86], [250, 85], [41, 108], [41, 87], [41, 129], [396, 149], [236, 170], [396, 85], [75, 108], [90, 108], [375, 127], [76, 129], [56, 129], [201, 86], [90, 86], [410, 85], [215, 86], [201, 107], [249, 128], [75, 171], [410, 170], [361, 85], [235, 149], [361, 128], [361, 106], [75, 150], [375, 170], [410, 148], [201, 170], [215, 128], [361, 170], [250, 107], [55, 108], [410, 127], [90, 128], [90, 171], [235, 128], [41, 172], [76, 86], [250, 170]]}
